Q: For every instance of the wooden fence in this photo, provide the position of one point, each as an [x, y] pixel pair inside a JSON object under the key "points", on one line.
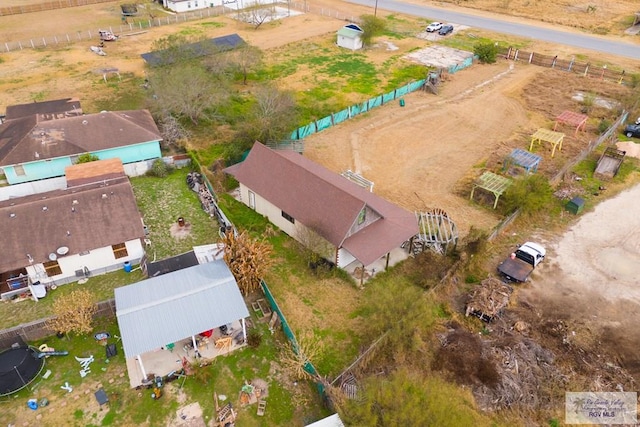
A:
{"points": [[50, 5], [37, 330], [585, 68]]}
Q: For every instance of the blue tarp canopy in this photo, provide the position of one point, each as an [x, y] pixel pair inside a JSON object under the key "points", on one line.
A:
{"points": [[202, 48]]}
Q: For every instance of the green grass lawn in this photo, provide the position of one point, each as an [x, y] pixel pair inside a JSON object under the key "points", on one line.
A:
{"points": [[17, 313], [161, 201], [225, 376]]}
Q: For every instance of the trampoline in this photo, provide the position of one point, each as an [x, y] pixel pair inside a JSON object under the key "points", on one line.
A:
{"points": [[18, 367]]}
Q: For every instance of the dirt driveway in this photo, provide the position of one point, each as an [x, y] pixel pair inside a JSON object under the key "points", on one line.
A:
{"points": [[423, 155], [592, 279]]}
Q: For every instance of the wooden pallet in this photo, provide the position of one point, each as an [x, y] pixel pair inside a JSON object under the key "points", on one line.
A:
{"points": [[262, 406]]}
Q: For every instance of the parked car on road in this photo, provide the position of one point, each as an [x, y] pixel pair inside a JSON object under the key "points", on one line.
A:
{"points": [[434, 26], [632, 131], [446, 29]]}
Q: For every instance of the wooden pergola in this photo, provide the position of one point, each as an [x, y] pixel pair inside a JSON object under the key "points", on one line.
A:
{"points": [[492, 183], [572, 119], [437, 231], [546, 135], [524, 159]]}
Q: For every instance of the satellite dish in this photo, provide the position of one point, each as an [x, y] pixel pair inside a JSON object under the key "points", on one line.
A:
{"points": [[53, 256], [62, 250]]}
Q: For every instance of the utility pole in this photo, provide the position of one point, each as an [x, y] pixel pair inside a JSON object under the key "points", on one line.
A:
{"points": [[375, 9]]}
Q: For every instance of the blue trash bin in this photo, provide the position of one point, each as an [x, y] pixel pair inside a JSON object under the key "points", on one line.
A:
{"points": [[127, 267]]}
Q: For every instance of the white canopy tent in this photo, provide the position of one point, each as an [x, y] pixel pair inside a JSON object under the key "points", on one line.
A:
{"points": [[168, 308]]}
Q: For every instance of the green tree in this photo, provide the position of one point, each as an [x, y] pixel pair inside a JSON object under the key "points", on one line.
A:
{"points": [[86, 158], [486, 51], [372, 26], [531, 193]]}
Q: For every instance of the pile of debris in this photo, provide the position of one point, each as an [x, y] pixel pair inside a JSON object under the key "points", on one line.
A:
{"points": [[489, 299]]}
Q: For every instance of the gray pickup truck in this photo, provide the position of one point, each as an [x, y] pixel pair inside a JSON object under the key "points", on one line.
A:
{"points": [[521, 263]]}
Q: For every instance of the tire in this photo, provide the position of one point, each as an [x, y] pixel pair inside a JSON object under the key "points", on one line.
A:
{"points": [[629, 134]]}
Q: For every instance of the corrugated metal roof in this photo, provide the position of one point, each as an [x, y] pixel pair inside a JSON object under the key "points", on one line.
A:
{"points": [[330, 421], [171, 307]]}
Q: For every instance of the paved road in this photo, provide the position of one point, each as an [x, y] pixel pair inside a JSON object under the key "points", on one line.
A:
{"points": [[582, 41]]}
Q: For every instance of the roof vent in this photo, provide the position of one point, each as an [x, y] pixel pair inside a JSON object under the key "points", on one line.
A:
{"points": [[68, 233], [53, 256], [85, 122], [12, 215], [44, 208], [104, 195], [37, 155], [75, 202]]}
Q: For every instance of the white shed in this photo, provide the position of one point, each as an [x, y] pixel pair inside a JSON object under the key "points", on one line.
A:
{"points": [[350, 36]]}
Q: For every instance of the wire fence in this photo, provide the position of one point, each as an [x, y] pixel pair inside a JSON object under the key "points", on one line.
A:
{"points": [[137, 24], [122, 30], [571, 65], [50, 5]]}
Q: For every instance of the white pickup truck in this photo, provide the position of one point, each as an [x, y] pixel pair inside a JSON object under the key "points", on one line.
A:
{"points": [[520, 264]]}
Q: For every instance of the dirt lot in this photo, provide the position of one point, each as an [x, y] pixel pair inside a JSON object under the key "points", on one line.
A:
{"points": [[423, 155]]}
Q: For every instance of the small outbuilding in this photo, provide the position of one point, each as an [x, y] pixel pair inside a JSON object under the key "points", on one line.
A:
{"points": [[350, 36]]}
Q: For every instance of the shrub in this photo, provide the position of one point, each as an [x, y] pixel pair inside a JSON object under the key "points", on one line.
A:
{"points": [[603, 126], [371, 26], [159, 169], [531, 194], [486, 52], [87, 157], [254, 339]]}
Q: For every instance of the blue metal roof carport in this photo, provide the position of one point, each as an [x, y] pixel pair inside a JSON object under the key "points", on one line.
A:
{"points": [[165, 309]]}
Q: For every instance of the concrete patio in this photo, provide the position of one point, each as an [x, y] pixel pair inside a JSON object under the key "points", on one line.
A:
{"points": [[165, 360], [395, 256]]}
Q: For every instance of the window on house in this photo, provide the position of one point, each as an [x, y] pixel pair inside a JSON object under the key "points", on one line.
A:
{"points": [[19, 170], [362, 216], [52, 268], [288, 217], [120, 250]]}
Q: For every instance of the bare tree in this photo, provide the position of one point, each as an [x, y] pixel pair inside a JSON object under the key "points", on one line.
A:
{"points": [[246, 58], [317, 247], [272, 117], [297, 357], [186, 90], [73, 313], [173, 133], [257, 15], [248, 259]]}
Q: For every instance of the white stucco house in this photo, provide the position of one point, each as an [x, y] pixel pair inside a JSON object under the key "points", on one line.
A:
{"points": [[350, 36], [91, 227]]}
